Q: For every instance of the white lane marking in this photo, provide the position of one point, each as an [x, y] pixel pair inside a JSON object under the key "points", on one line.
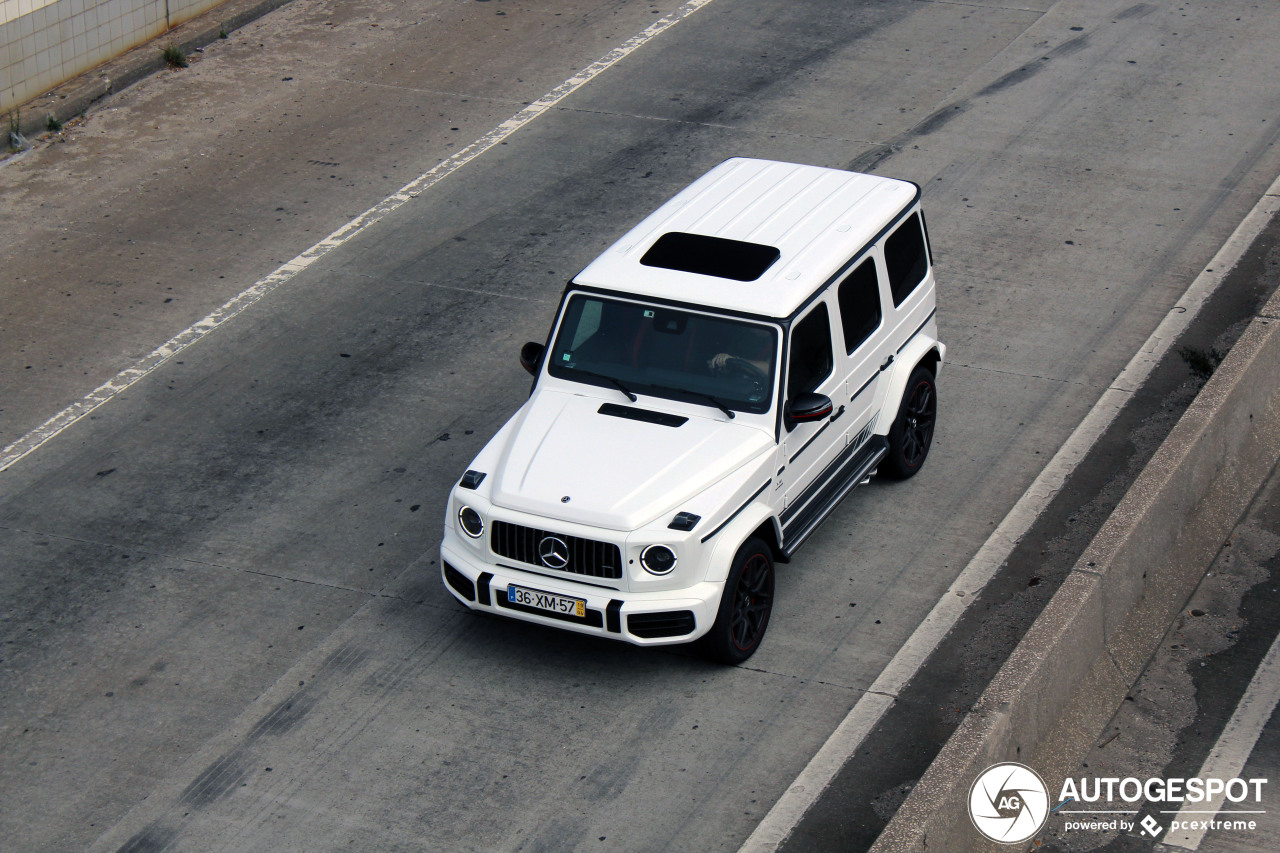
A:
{"points": [[286, 271], [1233, 748], [880, 696]]}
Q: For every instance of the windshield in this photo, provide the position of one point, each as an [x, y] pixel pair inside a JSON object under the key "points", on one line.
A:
{"points": [[666, 352]]}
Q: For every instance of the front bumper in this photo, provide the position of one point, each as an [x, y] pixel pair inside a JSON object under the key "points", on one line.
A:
{"points": [[644, 619]]}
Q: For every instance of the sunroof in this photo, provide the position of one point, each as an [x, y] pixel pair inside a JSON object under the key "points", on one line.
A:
{"points": [[697, 253]]}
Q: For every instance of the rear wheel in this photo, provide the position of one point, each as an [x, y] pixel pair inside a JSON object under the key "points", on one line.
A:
{"points": [[745, 605], [912, 432]]}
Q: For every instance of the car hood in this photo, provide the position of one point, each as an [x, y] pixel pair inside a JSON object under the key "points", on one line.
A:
{"points": [[565, 460]]}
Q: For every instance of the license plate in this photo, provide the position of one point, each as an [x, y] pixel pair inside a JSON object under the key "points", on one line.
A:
{"points": [[548, 601]]}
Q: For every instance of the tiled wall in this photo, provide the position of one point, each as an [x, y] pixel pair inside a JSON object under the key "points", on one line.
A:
{"points": [[43, 42]]}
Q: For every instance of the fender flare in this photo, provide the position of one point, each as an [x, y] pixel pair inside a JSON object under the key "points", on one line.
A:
{"points": [[730, 539], [921, 348]]}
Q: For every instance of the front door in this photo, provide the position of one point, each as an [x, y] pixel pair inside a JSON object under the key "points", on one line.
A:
{"points": [[808, 449]]}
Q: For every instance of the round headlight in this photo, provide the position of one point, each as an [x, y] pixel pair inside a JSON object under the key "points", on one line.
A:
{"points": [[658, 559], [471, 522]]}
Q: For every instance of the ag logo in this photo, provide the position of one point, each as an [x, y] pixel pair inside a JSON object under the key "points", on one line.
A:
{"points": [[1008, 803]]}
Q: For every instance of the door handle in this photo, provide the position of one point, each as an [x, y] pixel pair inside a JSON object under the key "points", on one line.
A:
{"points": [[837, 415], [888, 361]]}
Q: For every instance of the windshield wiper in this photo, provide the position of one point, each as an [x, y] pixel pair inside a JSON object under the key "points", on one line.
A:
{"points": [[613, 380], [721, 406], [715, 402], [617, 384]]}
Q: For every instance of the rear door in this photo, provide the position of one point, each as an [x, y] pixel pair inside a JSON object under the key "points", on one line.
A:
{"points": [[868, 350]]}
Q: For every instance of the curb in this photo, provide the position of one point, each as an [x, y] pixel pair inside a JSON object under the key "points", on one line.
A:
{"points": [[73, 97], [1074, 667]]}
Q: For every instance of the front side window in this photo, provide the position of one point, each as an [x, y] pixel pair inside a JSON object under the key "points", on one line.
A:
{"points": [[666, 352], [811, 354]]}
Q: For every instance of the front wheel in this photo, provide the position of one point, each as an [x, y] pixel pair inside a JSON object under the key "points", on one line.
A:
{"points": [[912, 432], [745, 606]]}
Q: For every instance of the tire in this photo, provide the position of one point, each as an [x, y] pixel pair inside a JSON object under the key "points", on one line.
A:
{"points": [[912, 432], [745, 605]]}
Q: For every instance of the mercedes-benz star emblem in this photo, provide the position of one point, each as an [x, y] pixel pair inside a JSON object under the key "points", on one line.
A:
{"points": [[553, 552]]}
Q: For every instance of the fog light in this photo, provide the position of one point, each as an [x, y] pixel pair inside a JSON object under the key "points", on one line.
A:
{"points": [[658, 559], [471, 522]]}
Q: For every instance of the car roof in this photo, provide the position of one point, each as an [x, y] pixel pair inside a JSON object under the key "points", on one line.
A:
{"points": [[717, 229]]}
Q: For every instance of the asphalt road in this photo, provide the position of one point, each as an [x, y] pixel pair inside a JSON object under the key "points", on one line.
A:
{"points": [[222, 621]]}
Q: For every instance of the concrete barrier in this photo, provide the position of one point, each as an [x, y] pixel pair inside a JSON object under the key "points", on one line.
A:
{"points": [[71, 98], [1071, 671]]}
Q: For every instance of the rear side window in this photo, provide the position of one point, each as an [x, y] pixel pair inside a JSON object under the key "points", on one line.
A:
{"points": [[811, 354], [905, 258], [859, 304]]}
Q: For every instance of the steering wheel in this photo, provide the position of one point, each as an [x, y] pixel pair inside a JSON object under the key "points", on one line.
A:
{"points": [[754, 375]]}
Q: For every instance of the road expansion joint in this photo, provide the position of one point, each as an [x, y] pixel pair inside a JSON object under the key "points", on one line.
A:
{"points": [[955, 365], [208, 564], [762, 132], [450, 287], [505, 102], [818, 681]]}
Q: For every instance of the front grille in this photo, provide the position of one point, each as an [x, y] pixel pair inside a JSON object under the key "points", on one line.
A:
{"points": [[672, 623], [586, 556]]}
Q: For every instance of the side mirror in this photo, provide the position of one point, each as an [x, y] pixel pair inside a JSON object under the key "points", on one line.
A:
{"points": [[809, 407], [531, 356]]}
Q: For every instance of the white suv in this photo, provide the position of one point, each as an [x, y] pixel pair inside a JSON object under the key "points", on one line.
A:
{"points": [[713, 385]]}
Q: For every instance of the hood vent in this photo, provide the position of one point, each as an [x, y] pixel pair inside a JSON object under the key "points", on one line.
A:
{"points": [[633, 414]]}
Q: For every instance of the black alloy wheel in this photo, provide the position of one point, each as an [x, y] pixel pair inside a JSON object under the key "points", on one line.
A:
{"points": [[912, 432], [745, 605]]}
